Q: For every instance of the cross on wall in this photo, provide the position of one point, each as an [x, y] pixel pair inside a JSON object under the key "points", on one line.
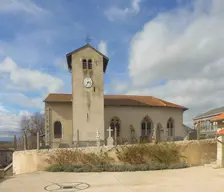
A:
{"points": [[109, 130]]}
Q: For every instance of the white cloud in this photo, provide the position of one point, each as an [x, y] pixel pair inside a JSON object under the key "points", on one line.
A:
{"points": [[115, 13], [28, 79], [21, 100], [25, 6], [10, 122], [186, 49], [15, 80], [2, 109], [61, 63], [102, 47]]}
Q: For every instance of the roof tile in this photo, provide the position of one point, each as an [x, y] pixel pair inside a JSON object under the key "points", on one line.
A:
{"points": [[218, 117], [119, 100]]}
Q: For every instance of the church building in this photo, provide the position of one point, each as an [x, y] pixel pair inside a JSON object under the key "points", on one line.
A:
{"points": [[83, 117]]}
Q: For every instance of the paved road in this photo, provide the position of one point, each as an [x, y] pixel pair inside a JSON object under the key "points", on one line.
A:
{"points": [[196, 179]]}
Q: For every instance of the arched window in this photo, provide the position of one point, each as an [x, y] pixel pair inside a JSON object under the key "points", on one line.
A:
{"points": [[170, 127], [90, 64], [57, 130], [115, 122], [146, 127], [84, 64]]}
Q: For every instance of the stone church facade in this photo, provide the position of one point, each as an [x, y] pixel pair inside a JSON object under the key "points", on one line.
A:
{"points": [[75, 119]]}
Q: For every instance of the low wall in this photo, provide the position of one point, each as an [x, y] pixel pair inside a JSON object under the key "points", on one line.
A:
{"points": [[2, 173], [196, 153]]}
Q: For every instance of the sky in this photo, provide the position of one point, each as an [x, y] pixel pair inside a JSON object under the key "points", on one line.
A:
{"points": [[172, 50]]}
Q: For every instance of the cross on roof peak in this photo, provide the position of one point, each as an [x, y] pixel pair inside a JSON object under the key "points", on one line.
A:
{"points": [[88, 39]]}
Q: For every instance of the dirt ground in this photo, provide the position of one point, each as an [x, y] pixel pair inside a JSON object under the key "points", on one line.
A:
{"points": [[200, 179]]}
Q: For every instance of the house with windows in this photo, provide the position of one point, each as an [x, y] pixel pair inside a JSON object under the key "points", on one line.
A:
{"points": [[210, 121], [79, 118], [5, 156]]}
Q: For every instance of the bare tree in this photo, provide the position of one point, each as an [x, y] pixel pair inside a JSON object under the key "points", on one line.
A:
{"points": [[31, 125]]}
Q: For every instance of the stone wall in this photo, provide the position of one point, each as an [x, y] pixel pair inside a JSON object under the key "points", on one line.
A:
{"points": [[196, 153]]}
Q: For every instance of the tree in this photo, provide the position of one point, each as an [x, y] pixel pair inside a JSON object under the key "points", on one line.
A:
{"points": [[32, 124]]}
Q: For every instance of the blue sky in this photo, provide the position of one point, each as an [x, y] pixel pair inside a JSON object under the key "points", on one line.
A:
{"points": [[151, 45]]}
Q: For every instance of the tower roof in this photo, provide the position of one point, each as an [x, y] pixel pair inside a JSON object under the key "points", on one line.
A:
{"points": [[69, 56]]}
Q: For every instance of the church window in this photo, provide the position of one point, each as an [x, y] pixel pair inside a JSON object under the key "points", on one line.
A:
{"points": [[115, 123], [170, 127], [57, 130], [90, 64], [84, 64], [146, 127]]}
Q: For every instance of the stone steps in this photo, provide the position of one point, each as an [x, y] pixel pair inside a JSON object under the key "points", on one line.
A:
{"points": [[212, 165]]}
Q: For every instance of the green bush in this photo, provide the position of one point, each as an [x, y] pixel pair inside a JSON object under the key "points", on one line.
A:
{"points": [[112, 168], [162, 153]]}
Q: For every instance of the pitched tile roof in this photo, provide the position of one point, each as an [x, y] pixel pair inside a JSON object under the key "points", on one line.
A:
{"points": [[220, 132], [218, 117], [212, 112], [120, 100], [4, 149]]}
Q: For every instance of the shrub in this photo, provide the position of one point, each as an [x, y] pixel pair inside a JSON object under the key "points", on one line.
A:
{"points": [[112, 168], [55, 168], [73, 157], [162, 153]]}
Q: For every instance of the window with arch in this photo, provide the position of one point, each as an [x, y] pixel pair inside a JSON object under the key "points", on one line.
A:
{"points": [[57, 130], [115, 123], [90, 64], [84, 64], [170, 127], [146, 127]]}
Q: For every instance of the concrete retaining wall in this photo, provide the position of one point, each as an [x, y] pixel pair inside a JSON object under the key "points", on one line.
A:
{"points": [[197, 153]]}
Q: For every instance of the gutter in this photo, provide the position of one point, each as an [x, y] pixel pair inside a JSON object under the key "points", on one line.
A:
{"points": [[206, 116]]}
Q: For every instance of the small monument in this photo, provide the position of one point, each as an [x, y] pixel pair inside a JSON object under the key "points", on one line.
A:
{"points": [[97, 138], [110, 140]]}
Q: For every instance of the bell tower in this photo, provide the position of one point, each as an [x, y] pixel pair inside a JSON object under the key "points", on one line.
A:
{"points": [[87, 66]]}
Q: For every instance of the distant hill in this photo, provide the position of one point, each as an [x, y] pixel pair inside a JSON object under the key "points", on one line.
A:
{"points": [[8, 144], [6, 139]]}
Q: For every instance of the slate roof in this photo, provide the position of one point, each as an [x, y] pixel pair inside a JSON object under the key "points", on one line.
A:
{"points": [[212, 112], [120, 100]]}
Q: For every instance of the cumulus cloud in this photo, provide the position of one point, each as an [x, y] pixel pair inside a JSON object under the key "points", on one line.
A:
{"points": [[25, 6], [2, 109], [115, 13], [102, 47], [16, 85], [28, 79], [184, 48], [10, 122]]}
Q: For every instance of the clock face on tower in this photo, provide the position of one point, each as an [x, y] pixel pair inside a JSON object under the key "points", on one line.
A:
{"points": [[88, 82]]}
